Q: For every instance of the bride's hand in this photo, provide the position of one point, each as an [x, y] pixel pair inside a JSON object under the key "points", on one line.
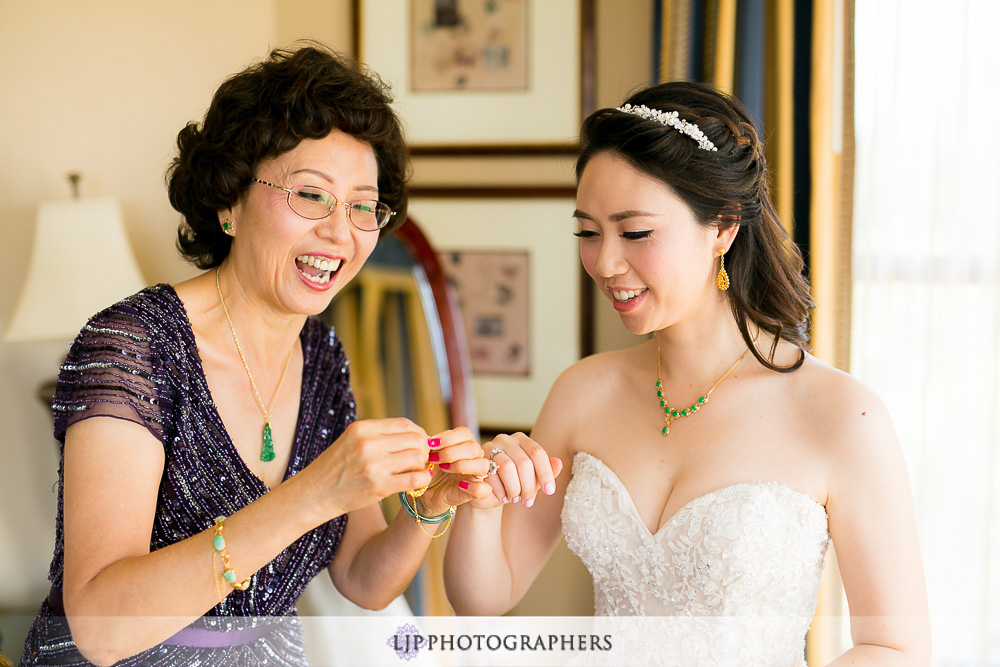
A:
{"points": [[523, 469], [459, 461]]}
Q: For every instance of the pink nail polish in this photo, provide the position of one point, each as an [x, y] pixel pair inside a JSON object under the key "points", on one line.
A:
{"points": [[433, 456], [433, 442], [505, 499], [549, 488], [444, 466], [529, 503], [517, 499], [463, 485]]}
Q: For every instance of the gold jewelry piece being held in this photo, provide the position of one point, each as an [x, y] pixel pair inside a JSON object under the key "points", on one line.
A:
{"points": [[670, 413], [267, 445], [421, 519], [722, 280], [416, 493]]}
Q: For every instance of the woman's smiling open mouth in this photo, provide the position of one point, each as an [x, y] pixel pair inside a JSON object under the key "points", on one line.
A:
{"points": [[316, 269]]}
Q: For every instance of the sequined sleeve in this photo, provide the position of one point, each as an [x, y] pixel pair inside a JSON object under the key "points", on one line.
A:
{"points": [[111, 370]]}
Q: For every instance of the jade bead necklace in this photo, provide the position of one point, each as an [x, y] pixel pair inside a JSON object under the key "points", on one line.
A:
{"points": [[672, 413]]}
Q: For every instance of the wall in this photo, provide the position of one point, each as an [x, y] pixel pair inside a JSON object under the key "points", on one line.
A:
{"points": [[102, 88]]}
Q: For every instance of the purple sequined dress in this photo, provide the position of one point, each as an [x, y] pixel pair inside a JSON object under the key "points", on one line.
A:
{"points": [[138, 361]]}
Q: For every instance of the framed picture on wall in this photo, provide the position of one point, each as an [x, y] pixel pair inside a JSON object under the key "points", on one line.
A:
{"points": [[526, 241], [493, 290], [472, 45], [455, 67]]}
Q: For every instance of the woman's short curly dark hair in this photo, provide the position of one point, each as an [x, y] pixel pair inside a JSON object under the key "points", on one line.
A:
{"points": [[264, 111]]}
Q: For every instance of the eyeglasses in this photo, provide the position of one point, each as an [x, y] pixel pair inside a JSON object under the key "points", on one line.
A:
{"points": [[312, 203]]}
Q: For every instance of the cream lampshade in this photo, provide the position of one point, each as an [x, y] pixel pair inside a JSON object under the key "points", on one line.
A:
{"points": [[81, 262]]}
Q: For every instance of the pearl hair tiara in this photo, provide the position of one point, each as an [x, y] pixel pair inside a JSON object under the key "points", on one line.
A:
{"points": [[671, 119]]}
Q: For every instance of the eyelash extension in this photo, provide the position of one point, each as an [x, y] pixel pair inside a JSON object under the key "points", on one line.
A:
{"points": [[636, 236], [584, 234]]}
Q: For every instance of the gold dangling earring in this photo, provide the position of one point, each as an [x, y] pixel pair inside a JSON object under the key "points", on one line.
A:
{"points": [[227, 227], [722, 280]]}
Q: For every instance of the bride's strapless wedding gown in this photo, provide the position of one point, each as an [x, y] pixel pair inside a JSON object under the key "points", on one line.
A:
{"points": [[737, 570]]}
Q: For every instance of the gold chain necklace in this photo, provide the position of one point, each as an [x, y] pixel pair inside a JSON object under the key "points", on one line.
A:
{"points": [[267, 447], [670, 413]]}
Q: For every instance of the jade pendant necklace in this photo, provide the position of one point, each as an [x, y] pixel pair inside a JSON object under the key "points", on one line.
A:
{"points": [[267, 445], [670, 414]]}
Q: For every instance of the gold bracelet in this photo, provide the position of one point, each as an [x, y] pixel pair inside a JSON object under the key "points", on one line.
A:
{"points": [[228, 573], [417, 517]]}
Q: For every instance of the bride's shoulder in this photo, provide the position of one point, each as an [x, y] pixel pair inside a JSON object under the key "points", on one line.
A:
{"points": [[849, 413], [587, 389], [592, 383], [599, 374]]}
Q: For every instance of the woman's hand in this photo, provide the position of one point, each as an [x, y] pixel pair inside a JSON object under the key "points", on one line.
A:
{"points": [[459, 461], [371, 460], [523, 469]]}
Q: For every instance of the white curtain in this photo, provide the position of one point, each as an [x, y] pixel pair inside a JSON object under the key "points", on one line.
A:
{"points": [[926, 315]]}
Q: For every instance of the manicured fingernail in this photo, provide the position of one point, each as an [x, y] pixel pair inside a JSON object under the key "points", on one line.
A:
{"points": [[433, 456], [463, 485], [444, 466], [517, 499], [433, 442], [529, 503], [549, 488], [505, 499]]}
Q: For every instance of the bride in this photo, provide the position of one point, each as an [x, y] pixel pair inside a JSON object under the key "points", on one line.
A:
{"points": [[712, 464]]}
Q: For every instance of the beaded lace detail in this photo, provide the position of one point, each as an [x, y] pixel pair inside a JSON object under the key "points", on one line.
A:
{"points": [[742, 563]]}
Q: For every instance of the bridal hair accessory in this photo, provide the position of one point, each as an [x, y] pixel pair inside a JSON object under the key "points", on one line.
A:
{"points": [[670, 413], [228, 573], [267, 446], [671, 119], [722, 280]]}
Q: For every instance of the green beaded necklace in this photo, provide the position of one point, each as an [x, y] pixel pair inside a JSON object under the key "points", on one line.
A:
{"points": [[671, 413]]}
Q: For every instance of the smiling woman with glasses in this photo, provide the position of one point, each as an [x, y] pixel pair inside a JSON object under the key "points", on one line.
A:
{"points": [[212, 463]]}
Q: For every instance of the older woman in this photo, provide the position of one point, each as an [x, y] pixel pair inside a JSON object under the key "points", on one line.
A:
{"points": [[211, 461]]}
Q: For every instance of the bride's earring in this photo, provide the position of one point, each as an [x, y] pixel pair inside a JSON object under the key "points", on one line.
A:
{"points": [[227, 227], [722, 280]]}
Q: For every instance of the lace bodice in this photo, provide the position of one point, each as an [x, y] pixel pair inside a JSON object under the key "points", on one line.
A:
{"points": [[753, 551]]}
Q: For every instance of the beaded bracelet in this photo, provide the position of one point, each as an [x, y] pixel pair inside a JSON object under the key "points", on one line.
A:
{"points": [[228, 573], [430, 520]]}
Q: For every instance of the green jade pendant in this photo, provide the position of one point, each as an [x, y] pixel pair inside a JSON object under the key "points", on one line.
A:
{"points": [[267, 449]]}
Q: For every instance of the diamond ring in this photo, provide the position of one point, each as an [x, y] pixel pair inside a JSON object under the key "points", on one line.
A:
{"points": [[493, 470]]}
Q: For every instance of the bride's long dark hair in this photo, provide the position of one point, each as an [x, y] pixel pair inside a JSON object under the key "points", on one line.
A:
{"points": [[721, 188]]}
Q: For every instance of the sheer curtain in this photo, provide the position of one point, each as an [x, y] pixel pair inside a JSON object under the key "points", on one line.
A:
{"points": [[926, 313]]}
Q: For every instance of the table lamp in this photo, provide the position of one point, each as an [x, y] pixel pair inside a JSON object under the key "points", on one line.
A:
{"points": [[81, 262]]}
